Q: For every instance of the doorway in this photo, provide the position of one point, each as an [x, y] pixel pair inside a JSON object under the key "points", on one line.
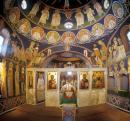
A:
{"points": [[68, 87]]}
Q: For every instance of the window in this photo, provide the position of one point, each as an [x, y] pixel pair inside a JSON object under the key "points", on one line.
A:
{"points": [[24, 4], [128, 36], [1, 42]]}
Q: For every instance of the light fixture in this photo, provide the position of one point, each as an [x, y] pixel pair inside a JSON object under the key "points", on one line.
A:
{"points": [[69, 73], [24, 4], [1, 42], [1, 38], [68, 25], [128, 35]]}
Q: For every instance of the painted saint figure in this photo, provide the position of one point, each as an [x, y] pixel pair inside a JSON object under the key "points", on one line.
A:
{"points": [[115, 52], [124, 78], [98, 8], [84, 84], [117, 79], [44, 17], [56, 19], [90, 15], [53, 37], [24, 26], [30, 79], [97, 55], [34, 10], [49, 51], [103, 50], [17, 81], [52, 83], [121, 50], [7, 4], [79, 18]]}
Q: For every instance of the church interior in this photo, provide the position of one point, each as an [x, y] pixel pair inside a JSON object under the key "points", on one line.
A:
{"points": [[65, 60]]}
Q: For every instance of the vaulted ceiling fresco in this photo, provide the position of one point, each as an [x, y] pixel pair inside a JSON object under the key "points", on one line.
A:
{"points": [[62, 4], [46, 27]]}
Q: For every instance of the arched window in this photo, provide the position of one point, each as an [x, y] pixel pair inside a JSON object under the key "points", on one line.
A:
{"points": [[128, 36], [1, 42], [24, 4]]}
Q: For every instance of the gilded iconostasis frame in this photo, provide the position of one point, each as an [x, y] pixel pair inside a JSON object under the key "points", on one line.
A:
{"points": [[54, 92]]}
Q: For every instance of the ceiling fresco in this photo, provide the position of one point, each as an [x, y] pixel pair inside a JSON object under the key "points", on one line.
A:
{"points": [[51, 18], [90, 22], [62, 4], [40, 26]]}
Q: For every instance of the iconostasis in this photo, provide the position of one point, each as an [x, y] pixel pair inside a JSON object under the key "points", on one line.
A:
{"points": [[83, 87]]}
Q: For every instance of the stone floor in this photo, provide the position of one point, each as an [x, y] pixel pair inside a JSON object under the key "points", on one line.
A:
{"points": [[40, 113]]}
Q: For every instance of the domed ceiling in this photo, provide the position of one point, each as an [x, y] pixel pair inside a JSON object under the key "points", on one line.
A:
{"points": [[62, 4], [87, 23], [51, 26]]}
